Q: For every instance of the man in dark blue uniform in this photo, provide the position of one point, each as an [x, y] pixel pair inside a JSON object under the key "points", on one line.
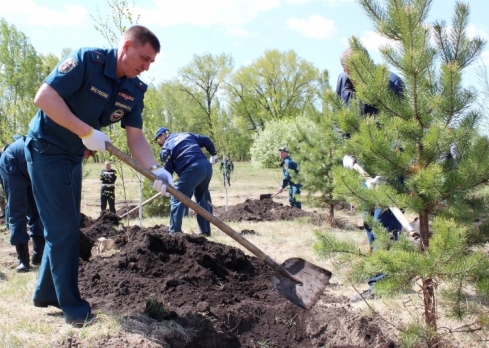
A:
{"points": [[181, 153], [346, 91], [108, 176], [21, 207], [89, 89], [294, 189]]}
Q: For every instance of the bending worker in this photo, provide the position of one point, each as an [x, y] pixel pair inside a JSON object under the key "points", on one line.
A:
{"points": [[89, 89], [181, 153], [21, 207]]}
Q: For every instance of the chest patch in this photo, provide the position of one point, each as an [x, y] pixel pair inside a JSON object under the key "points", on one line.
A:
{"points": [[99, 92], [68, 65], [116, 115], [123, 106], [126, 96]]}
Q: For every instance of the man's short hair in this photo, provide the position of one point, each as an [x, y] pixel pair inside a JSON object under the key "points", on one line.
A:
{"points": [[142, 35], [344, 56]]}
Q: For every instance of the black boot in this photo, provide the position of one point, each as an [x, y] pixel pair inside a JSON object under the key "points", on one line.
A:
{"points": [[37, 249], [23, 256]]}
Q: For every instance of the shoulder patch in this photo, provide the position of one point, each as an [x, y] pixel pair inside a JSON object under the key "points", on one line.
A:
{"points": [[140, 84], [67, 65], [98, 57]]}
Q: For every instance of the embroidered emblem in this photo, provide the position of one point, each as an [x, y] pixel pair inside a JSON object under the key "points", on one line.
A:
{"points": [[68, 65], [126, 96], [116, 115]]}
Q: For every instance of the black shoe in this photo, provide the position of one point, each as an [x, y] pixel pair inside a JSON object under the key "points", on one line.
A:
{"points": [[83, 321], [44, 304], [23, 257]]}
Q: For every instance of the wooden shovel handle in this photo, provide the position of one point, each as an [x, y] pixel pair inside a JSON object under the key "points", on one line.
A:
{"points": [[201, 211]]}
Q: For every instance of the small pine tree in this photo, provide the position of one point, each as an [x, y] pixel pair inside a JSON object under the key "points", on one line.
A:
{"points": [[428, 137]]}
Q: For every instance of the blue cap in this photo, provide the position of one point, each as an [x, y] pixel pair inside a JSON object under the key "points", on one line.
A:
{"points": [[160, 131]]}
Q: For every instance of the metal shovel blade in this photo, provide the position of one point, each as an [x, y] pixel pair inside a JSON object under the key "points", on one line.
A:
{"points": [[314, 281], [265, 196]]}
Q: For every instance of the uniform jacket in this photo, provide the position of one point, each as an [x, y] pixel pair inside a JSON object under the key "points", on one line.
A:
{"points": [[86, 80], [346, 91], [287, 165], [181, 149]]}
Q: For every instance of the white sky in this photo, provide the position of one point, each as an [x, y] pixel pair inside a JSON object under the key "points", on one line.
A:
{"points": [[317, 30]]}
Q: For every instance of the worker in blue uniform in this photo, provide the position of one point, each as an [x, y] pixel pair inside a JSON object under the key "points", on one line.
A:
{"points": [[89, 89], [181, 154], [294, 188], [21, 207]]}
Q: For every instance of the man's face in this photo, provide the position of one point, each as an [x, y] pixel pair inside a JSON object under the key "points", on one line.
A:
{"points": [[161, 139], [283, 154], [135, 59]]}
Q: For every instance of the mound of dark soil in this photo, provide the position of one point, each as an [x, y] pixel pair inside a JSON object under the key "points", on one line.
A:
{"points": [[215, 295], [262, 210]]}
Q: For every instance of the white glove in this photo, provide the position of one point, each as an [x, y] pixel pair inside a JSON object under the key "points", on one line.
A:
{"points": [[95, 140], [158, 185], [214, 159], [348, 162], [375, 181]]}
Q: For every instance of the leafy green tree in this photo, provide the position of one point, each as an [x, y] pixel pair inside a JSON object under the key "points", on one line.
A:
{"points": [[277, 133], [20, 67], [202, 80], [276, 86], [429, 138]]}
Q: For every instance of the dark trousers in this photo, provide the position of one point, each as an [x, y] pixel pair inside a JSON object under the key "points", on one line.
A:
{"points": [[107, 195], [56, 181], [21, 210], [195, 181]]}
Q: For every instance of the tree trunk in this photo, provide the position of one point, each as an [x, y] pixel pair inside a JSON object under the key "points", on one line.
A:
{"points": [[430, 310], [424, 230]]}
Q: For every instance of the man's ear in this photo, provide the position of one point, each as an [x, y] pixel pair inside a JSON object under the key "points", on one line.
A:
{"points": [[126, 45]]}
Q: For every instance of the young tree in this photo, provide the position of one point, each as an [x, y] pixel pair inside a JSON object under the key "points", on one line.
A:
{"points": [[429, 138]]}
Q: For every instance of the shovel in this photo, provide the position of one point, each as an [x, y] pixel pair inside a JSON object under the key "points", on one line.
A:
{"points": [[297, 280], [267, 196]]}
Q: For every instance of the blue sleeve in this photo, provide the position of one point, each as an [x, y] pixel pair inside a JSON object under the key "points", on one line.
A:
{"points": [[344, 88], [165, 158], [204, 141], [286, 179], [395, 84]]}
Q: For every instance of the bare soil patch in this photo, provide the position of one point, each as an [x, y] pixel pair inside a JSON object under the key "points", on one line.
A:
{"points": [[215, 294]]}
